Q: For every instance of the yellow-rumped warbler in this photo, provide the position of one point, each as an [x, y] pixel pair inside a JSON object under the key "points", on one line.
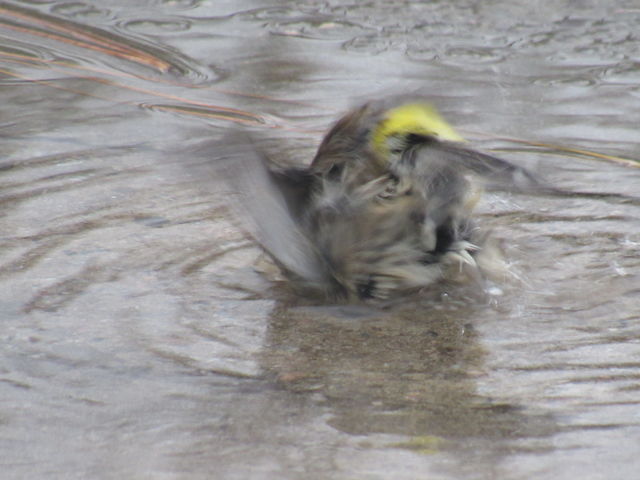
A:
{"points": [[384, 209]]}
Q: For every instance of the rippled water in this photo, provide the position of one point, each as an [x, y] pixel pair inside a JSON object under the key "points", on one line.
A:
{"points": [[139, 339]]}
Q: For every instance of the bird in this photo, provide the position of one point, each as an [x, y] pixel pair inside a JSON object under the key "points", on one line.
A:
{"points": [[384, 209]]}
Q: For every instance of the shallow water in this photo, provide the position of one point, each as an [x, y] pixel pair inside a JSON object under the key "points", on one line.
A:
{"points": [[138, 338]]}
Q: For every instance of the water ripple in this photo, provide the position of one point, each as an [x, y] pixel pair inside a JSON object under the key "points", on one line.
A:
{"points": [[143, 326], [72, 38]]}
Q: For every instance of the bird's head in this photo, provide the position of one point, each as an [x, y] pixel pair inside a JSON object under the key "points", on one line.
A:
{"points": [[397, 126]]}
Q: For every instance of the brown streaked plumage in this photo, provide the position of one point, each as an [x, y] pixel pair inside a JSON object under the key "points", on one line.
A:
{"points": [[373, 217]]}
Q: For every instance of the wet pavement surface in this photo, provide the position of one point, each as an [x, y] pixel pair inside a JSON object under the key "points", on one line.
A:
{"points": [[139, 338]]}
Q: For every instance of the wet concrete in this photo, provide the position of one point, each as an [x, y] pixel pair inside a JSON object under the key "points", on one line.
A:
{"points": [[139, 338]]}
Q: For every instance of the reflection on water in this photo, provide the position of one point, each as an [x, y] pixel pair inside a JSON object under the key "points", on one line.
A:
{"points": [[410, 371], [139, 339]]}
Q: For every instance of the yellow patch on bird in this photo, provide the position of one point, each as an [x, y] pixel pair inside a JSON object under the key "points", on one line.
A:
{"points": [[412, 118]]}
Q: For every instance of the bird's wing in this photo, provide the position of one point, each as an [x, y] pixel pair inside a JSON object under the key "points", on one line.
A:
{"points": [[265, 207]]}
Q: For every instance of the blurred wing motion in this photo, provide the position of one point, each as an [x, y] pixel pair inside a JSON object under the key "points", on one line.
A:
{"points": [[266, 207], [492, 171], [384, 208]]}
